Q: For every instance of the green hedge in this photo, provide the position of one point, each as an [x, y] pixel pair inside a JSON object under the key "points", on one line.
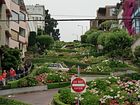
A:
{"points": [[97, 73], [65, 50], [5, 101], [56, 100], [72, 63], [133, 76], [58, 85]]}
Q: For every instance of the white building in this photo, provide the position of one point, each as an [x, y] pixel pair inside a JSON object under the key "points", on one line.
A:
{"points": [[32, 25], [37, 13]]}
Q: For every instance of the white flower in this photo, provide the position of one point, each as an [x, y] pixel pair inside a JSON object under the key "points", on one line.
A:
{"points": [[121, 97], [111, 90]]}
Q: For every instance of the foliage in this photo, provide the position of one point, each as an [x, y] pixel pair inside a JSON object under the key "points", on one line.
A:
{"points": [[42, 70], [50, 26], [83, 38], [23, 82], [133, 76], [92, 38], [90, 99], [117, 40], [13, 84], [66, 96], [107, 25], [44, 42], [32, 39], [59, 44], [57, 77], [5, 101], [11, 57], [71, 63], [137, 52], [56, 100], [106, 66], [115, 43], [58, 85]]}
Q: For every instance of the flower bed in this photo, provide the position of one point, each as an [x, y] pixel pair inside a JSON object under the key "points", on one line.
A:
{"points": [[109, 91], [106, 66]]}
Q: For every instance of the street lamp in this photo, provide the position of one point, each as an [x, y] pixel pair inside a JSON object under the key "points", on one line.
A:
{"points": [[81, 27]]}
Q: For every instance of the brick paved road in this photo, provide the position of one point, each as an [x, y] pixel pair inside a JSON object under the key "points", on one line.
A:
{"points": [[36, 98]]}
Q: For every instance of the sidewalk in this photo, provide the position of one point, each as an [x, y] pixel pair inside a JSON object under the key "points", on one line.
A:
{"points": [[23, 90]]}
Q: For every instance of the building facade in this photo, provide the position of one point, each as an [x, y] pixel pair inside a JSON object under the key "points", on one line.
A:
{"points": [[103, 13], [15, 30], [37, 13]]}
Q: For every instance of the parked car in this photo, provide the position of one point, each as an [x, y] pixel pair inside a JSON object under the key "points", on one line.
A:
{"points": [[58, 66]]}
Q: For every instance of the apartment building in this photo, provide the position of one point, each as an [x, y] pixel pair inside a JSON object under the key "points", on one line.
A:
{"points": [[135, 16], [5, 14], [103, 13], [37, 13], [14, 31]]}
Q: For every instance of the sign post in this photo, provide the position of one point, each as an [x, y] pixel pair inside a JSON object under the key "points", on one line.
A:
{"points": [[78, 85]]}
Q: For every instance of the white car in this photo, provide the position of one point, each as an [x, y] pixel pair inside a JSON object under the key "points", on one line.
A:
{"points": [[57, 66]]}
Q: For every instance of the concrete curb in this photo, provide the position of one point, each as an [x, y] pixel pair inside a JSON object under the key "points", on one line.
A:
{"points": [[23, 90]]}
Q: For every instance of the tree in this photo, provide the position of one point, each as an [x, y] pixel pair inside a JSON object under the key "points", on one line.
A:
{"points": [[32, 39], [44, 42], [10, 57], [50, 26], [137, 52], [93, 37], [116, 43], [107, 25], [83, 38]]}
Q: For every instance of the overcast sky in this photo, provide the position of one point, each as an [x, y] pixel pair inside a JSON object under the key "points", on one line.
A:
{"points": [[72, 9]]}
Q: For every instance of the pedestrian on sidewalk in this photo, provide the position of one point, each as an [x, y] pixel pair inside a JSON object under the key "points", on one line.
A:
{"points": [[12, 74], [1, 79], [4, 75]]}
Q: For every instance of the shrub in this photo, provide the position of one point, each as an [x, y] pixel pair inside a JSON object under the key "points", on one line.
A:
{"points": [[58, 85], [72, 63], [133, 76], [5, 101], [13, 84], [31, 81], [23, 82], [89, 98], [57, 77], [42, 70], [66, 96], [56, 100]]}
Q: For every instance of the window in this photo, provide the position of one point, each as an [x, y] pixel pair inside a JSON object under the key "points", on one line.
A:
{"points": [[15, 16], [16, 1], [22, 32], [20, 46], [22, 16], [112, 12], [14, 35]]}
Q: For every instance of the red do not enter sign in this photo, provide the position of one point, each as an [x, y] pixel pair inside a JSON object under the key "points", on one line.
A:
{"points": [[78, 85]]}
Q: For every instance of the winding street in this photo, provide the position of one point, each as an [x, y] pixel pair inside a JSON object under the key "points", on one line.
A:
{"points": [[45, 97], [36, 98]]}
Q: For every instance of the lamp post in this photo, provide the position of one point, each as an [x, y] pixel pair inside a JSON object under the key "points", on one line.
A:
{"points": [[81, 27]]}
